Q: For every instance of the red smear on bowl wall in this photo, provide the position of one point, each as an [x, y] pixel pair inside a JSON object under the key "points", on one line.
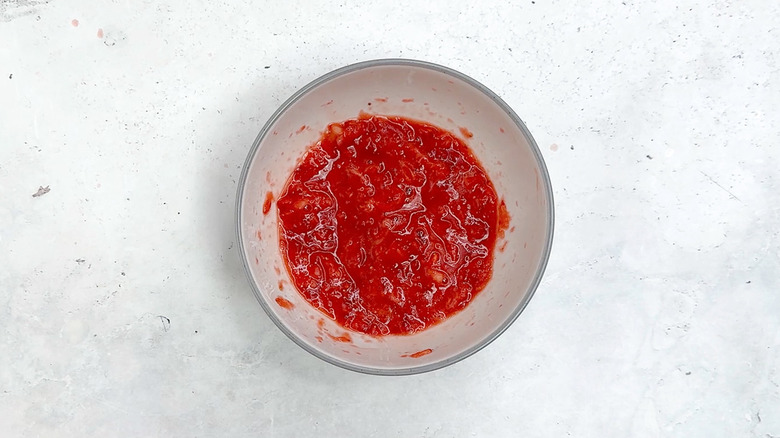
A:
{"points": [[343, 338], [420, 353], [269, 200], [466, 133], [503, 219], [284, 303]]}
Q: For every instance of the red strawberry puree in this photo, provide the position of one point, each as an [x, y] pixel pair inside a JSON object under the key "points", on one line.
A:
{"points": [[388, 225]]}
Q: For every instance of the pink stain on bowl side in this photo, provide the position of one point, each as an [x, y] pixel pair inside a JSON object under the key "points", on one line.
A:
{"points": [[407, 100], [537, 181], [74, 22], [100, 33], [553, 147]]}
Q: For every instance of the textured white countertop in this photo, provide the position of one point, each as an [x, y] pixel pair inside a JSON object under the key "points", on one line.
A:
{"points": [[124, 309]]}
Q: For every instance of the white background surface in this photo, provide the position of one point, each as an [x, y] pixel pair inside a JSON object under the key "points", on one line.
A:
{"points": [[124, 309]]}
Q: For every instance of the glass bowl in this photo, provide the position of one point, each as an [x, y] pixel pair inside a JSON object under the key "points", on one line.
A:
{"points": [[433, 94]]}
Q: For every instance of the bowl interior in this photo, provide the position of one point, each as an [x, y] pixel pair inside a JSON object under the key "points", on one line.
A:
{"points": [[432, 94]]}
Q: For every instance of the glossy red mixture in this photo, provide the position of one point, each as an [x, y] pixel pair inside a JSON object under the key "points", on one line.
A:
{"points": [[388, 225]]}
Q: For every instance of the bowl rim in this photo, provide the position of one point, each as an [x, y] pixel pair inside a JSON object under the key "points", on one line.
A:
{"points": [[242, 182]]}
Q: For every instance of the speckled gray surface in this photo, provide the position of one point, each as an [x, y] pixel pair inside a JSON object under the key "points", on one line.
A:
{"points": [[123, 307]]}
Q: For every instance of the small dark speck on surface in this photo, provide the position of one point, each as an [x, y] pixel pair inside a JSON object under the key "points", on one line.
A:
{"points": [[123, 274], [11, 76], [572, 147], [41, 191], [166, 322], [80, 260], [649, 157], [687, 373], [748, 282], [267, 66], [196, 331]]}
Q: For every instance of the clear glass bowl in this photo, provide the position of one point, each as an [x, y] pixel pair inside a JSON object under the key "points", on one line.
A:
{"points": [[436, 95]]}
